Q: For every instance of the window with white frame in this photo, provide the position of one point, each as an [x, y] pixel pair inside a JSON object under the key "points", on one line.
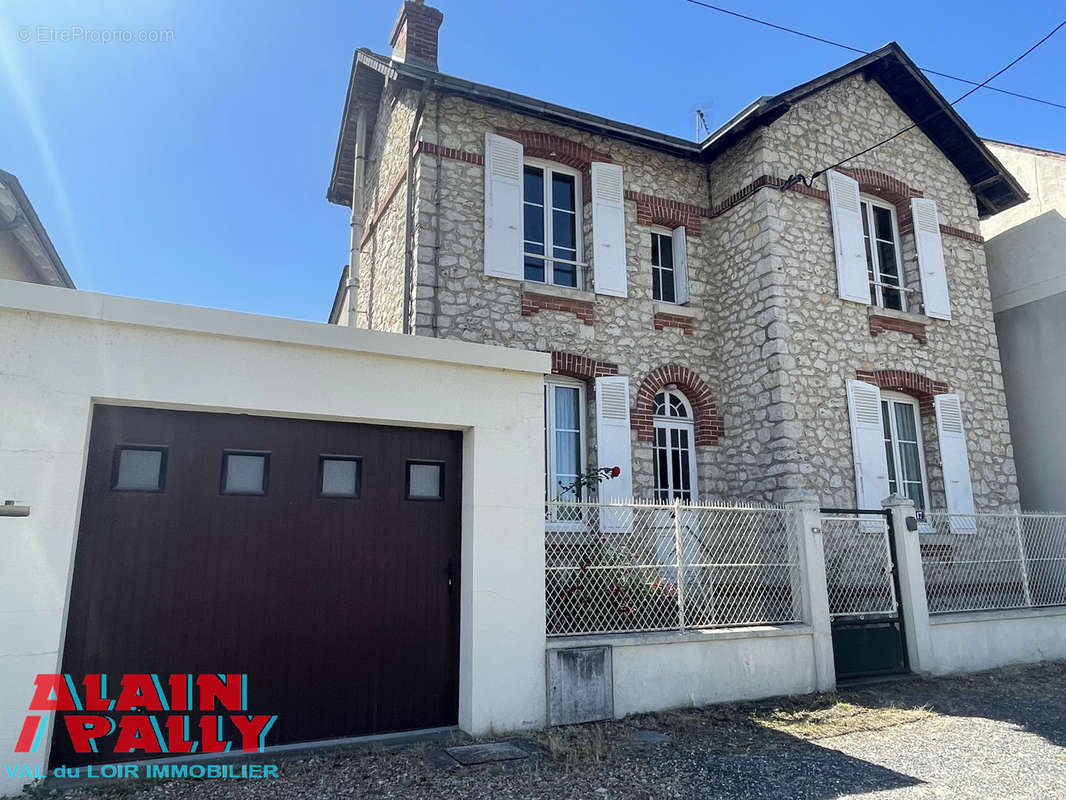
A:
{"points": [[663, 276], [673, 451], [885, 266], [903, 446], [564, 438], [551, 203]]}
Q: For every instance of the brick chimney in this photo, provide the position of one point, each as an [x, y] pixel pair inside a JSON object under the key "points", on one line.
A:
{"points": [[414, 39]]}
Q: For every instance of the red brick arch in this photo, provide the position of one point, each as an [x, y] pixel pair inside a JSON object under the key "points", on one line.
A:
{"points": [[709, 427], [889, 189], [583, 367], [918, 386]]}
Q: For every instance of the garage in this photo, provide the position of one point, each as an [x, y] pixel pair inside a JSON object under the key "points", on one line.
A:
{"points": [[319, 558]]}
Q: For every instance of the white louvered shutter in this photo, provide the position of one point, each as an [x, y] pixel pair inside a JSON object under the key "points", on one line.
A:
{"points": [[608, 230], [930, 248], [503, 207], [680, 265], [955, 461], [853, 279], [868, 444], [613, 448]]}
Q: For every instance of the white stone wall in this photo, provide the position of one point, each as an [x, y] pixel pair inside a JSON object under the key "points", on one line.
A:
{"points": [[829, 338], [771, 338]]}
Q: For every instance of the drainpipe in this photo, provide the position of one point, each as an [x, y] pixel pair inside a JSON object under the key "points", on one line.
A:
{"points": [[352, 285], [409, 237]]}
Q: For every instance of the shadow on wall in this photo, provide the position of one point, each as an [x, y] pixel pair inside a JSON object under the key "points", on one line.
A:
{"points": [[1025, 256]]}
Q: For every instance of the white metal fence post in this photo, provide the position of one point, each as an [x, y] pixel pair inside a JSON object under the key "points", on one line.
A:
{"points": [[915, 615], [1022, 560], [680, 565], [814, 593]]}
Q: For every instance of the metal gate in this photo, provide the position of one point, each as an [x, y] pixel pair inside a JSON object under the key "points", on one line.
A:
{"points": [[860, 567]]}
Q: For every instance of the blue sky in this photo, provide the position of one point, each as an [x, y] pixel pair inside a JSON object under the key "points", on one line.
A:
{"points": [[195, 170]]}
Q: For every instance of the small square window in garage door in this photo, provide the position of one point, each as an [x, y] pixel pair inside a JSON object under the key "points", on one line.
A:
{"points": [[425, 480], [139, 468], [245, 473], [339, 476]]}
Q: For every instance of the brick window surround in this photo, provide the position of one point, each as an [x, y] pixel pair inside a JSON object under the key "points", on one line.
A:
{"points": [[918, 386], [709, 427], [532, 302], [582, 367], [880, 323], [662, 320], [560, 150], [891, 190]]}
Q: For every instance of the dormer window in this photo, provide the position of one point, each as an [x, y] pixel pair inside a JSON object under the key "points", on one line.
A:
{"points": [[551, 197]]}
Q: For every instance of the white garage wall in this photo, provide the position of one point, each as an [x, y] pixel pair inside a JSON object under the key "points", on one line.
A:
{"points": [[63, 350]]}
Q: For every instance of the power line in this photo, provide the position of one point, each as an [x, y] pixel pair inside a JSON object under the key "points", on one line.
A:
{"points": [[843, 46], [922, 121]]}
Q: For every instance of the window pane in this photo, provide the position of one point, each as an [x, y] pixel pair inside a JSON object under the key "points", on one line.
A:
{"points": [[244, 474], [912, 469], [883, 224], [425, 481], [666, 286], [567, 454], [886, 257], [563, 233], [140, 470], [534, 225], [677, 408], [567, 413], [534, 270], [563, 191], [534, 185], [659, 404], [887, 426], [564, 275], [666, 252], [655, 250], [340, 477], [905, 422]]}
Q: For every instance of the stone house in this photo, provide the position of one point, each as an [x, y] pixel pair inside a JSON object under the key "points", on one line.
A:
{"points": [[727, 318]]}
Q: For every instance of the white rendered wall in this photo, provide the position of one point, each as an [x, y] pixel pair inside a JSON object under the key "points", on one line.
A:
{"points": [[63, 350], [989, 639]]}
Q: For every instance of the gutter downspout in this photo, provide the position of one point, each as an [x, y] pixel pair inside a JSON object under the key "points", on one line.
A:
{"points": [[409, 239], [352, 285]]}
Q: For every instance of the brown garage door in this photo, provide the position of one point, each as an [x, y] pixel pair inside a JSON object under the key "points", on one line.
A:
{"points": [[319, 558]]}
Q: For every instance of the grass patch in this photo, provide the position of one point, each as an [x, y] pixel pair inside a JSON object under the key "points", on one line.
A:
{"points": [[576, 744], [835, 717]]}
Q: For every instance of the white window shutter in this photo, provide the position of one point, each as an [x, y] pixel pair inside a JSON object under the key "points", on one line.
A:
{"points": [[608, 229], [868, 444], [680, 265], [853, 278], [955, 462], [613, 448], [503, 208], [930, 247]]}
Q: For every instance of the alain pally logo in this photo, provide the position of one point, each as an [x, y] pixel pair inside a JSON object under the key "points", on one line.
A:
{"points": [[186, 714]]}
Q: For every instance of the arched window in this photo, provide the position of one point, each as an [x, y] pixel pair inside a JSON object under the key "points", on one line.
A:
{"points": [[675, 458]]}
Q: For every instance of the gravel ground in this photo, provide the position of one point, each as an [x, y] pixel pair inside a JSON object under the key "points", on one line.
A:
{"points": [[998, 734]]}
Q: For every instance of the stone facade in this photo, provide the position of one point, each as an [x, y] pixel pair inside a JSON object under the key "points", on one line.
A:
{"points": [[764, 331]]}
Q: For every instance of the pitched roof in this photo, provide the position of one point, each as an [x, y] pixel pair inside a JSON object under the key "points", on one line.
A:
{"points": [[993, 186], [30, 232]]}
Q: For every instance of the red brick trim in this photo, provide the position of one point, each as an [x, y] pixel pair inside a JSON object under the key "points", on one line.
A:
{"points": [[373, 224], [582, 367], [555, 148], [881, 189], [653, 210], [533, 302], [431, 148], [880, 324], [661, 321], [708, 422], [961, 234], [561, 150], [912, 383]]}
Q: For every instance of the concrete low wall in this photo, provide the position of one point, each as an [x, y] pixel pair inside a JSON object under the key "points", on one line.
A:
{"points": [[658, 671], [969, 642], [66, 350]]}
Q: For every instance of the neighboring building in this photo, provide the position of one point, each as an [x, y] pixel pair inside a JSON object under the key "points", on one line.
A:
{"points": [[716, 329], [26, 252], [1026, 252]]}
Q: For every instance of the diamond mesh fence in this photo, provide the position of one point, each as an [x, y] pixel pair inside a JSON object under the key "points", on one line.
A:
{"points": [[621, 568], [983, 562], [858, 565]]}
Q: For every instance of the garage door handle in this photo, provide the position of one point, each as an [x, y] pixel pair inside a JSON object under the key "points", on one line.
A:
{"points": [[450, 573]]}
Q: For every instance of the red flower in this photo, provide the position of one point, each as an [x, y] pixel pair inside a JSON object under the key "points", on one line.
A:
{"points": [[616, 471]]}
